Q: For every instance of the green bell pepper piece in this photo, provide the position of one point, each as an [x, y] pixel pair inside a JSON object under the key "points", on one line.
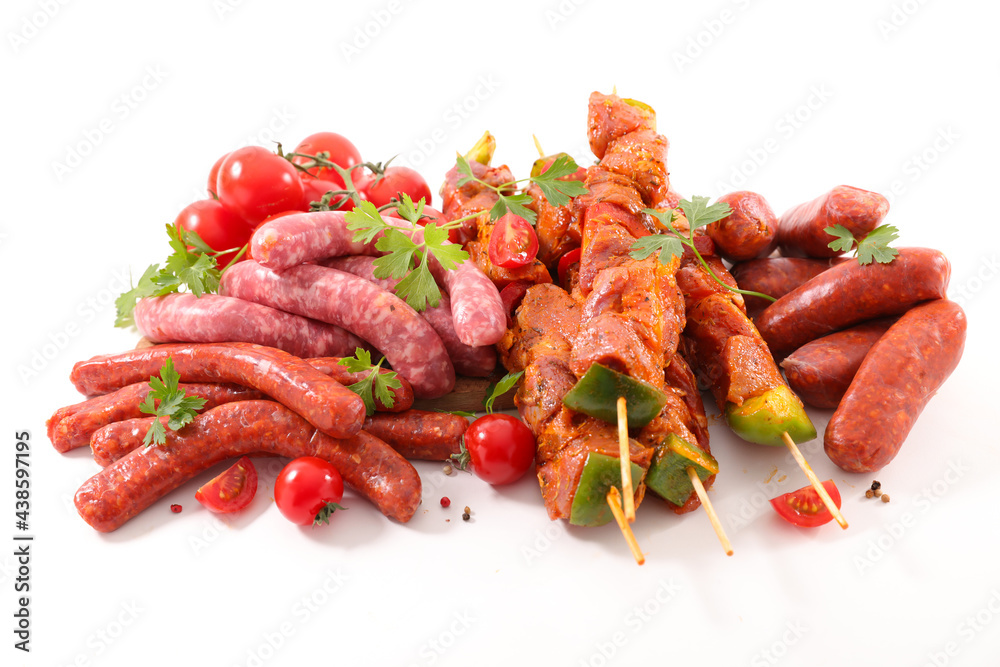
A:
{"points": [[667, 475], [762, 419], [596, 394], [600, 473]]}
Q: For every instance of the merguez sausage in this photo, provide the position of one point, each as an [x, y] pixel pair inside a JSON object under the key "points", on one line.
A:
{"points": [[120, 491], [410, 344], [749, 231], [322, 401], [418, 434], [213, 318], [801, 229], [850, 293], [821, 371], [471, 361], [777, 276], [900, 374]]}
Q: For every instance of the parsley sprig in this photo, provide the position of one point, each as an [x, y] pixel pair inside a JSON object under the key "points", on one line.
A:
{"points": [[376, 382], [404, 258], [873, 247], [192, 265], [699, 213], [557, 192], [174, 403], [495, 391]]}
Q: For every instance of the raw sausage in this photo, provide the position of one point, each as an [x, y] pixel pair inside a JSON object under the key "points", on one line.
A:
{"points": [[131, 484], [801, 228], [213, 318], [322, 401], [777, 276], [851, 293], [418, 434], [471, 361], [900, 374], [749, 231], [410, 344], [820, 371]]}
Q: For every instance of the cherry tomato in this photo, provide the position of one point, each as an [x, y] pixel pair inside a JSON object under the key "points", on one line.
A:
{"points": [[501, 448], [511, 296], [315, 189], [232, 490], [394, 181], [213, 176], [307, 490], [339, 149], [565, 262], [513, 242], [216, 225], [255, 183], [804, 507]]}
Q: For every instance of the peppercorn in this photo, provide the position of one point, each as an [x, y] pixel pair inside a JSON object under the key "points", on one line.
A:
{"points": [[878, 493], [876, 485], [467, 510], [885, 497], [465, 516], [869, 493], [445, 501], [448, 469]]}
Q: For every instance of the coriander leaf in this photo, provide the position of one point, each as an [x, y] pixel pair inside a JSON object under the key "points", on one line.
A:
{"points": [[361, 361], [179, 408], [875, 246], [516, 205], [462, 166], [374, 382], [399, 259], [125, 303], [699, 213], [198, 272], [365, 221], [189, 237], [407, 210], [844, 241], [419, 289], [499, 209], [448, 254], [558, 193], [668, 245], [505, 384], [564, 165], [363, 388]]}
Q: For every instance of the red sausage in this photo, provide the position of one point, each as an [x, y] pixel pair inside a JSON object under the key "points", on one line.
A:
{"points": [[801, 229], [820, 371], [898, 376], [75, 430], [213, 318], [418, 434], [471, 361], [851, 293], [410, 344], [322, 401], [120, 491], [749, 231], [777, 276]]}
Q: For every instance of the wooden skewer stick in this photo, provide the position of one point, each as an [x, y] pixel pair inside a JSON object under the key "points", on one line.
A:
{"points": [[615, 503], [626, 460], [538, 145], [824, 496], [699, 488]]}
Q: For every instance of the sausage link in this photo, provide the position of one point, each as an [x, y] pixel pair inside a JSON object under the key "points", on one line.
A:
{"points": [[134, 482], [213, 318], [898, 376], [410, 344], [749, 231], [777, 276], [850, 293], [322, 401], [471, 361], [821, 371], [801, 229], [75, 430], [418, 434]]}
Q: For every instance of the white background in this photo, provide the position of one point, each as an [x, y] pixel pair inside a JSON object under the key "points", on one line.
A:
{"points": [[784, 98]]}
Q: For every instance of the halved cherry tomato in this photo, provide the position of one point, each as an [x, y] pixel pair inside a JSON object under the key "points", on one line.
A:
{"points": [[232, 490], [513, 242], [339, 150], [307, 490], [254, 183], [217, 226], [394, 181], [565, 262], [804, 507], [500, 448]]}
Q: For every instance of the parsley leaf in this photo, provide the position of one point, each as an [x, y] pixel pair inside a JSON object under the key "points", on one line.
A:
{"points": [[505, 384], [516, 204], [174, 403], [667, 245], [557, 192], [365, 222], [699, 213], [375, 382], [875, 245], [844, 241]]}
